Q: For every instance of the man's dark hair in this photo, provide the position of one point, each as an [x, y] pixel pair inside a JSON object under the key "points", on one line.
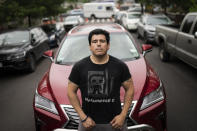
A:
{"points": [[98, 32]]}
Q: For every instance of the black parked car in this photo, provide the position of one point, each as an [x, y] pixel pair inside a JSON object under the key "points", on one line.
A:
{"points": [[20, 49]]}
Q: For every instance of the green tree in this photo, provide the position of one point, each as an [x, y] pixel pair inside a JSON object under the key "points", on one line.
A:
{"points": [[193, 8], [17, 10]]}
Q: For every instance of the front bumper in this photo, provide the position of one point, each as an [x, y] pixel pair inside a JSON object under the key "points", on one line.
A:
{"points": [[46, 121], [20, 63], [132, 26], [150, 36], [154, 116]]}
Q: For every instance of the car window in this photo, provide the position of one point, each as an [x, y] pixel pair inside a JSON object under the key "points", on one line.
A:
{"points": [[109, 8], [121, 47], [134, 16], [188, 23], [158, 20], [71, 18], [14, 38], [49, 28], [195, 28]]}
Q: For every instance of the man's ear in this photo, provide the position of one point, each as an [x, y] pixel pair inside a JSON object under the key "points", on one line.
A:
{"points": [[108, 46]]}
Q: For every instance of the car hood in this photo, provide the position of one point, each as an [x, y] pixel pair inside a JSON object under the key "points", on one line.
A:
{"points": [[58, 78], [150, 27], [11, 48], [132, 21]]}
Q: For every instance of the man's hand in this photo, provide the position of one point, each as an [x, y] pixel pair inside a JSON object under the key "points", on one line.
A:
{"points": [[89, 123], [118, 121]]}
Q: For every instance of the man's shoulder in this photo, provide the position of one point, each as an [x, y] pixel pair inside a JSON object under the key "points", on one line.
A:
{"points": [[116, 60]]}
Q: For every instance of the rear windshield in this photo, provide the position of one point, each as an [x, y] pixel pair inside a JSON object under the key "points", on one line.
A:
{"points": [[158, 20]]}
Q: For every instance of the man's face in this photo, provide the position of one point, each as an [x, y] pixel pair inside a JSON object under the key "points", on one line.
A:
{"points": [[99, 46]]}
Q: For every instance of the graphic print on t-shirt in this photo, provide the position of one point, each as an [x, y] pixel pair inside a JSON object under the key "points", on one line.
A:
{"points": [[99, 84]]}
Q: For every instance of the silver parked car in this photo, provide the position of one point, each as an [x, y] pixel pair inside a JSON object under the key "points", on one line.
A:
{"points": [[71, 21], [146, 26]]}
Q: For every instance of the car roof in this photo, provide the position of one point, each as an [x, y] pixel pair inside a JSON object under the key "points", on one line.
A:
{"points": [[134, 12], [85, 29]]}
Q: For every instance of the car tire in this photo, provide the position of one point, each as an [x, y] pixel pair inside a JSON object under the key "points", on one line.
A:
{"points": [[31, 62], [92, 17], [163, 54], [37, 125]]}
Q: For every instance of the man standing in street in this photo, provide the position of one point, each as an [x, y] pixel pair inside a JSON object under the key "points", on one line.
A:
{"points": [[99, 78]]}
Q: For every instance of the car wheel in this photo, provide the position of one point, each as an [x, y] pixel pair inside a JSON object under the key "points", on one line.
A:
{"points": [[163, 54], [31, 62], [92, 17], [37, 125]]}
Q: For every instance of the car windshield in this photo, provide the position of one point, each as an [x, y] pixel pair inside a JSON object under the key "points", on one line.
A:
{"points": [[157, 20], [75, 48], [134, 16], [71, 18], [14, 38]]}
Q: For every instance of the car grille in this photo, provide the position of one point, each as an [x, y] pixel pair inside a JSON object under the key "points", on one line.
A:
{"points": [[73, 117], [3, 57]]}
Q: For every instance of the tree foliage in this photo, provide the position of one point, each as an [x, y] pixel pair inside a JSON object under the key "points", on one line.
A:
{"points": [[182, 6], [15, 10]]}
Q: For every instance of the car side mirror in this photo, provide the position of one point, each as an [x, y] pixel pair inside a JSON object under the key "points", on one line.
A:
{"points": [[195, 35], [49, 54], [33, 40], [146, 48]]}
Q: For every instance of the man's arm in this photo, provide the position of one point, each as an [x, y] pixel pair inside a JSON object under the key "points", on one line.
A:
{"points": [[74, 100], [118, 121]]}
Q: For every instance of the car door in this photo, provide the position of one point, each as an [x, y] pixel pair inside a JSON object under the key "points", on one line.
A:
{"points": [[185, 42], [193, 50]]}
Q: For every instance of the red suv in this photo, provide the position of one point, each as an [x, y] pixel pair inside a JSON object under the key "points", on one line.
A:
{"points": [[51, 105]]}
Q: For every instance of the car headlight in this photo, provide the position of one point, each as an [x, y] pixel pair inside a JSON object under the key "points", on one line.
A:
{"points": [[17, 55], [52, 37], [154, 97], [44, 103]]}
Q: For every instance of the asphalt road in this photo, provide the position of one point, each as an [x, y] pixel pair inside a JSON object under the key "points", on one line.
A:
{"points": [[180, 80]]}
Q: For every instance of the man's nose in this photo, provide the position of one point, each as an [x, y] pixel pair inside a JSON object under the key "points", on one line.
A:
{"points": [[98, 43]]}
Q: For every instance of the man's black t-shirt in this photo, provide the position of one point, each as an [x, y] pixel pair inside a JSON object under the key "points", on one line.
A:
{"points": [[100, 87]]}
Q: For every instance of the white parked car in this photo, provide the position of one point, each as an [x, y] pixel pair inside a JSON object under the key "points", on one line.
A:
{"points": [[130, 20]]}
